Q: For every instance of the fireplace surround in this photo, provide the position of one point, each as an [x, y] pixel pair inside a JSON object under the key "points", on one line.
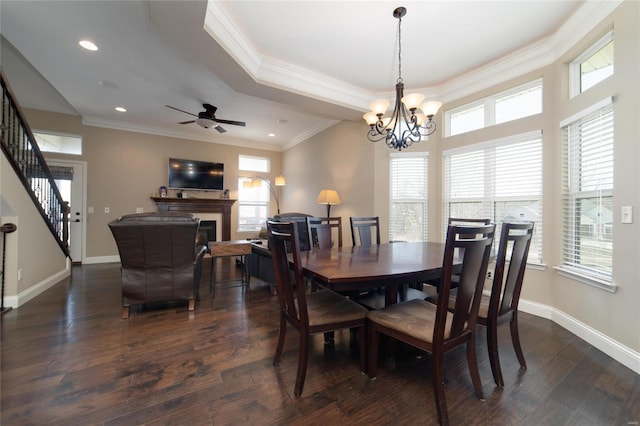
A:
{"points": [[200, 205]]}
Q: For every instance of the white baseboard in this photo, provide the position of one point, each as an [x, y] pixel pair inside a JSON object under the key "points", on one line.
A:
{"points": [[101, 259], [35, 290], [616, 350]]}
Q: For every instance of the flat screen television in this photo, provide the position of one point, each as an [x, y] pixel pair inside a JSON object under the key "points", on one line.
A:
{"points": [[191, 174]]}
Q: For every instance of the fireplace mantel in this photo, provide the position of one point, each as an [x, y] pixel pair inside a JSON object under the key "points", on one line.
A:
{"points": [[200, 205]]}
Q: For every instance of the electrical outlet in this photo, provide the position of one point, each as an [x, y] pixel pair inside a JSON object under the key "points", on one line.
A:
{"points": [[19, 274], [490, 274]]}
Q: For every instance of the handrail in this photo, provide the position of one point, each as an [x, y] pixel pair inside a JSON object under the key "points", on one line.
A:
{"points": [[21, 150]]}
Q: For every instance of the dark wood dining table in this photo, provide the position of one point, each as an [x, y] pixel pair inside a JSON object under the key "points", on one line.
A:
{"points": [[388, 265]]}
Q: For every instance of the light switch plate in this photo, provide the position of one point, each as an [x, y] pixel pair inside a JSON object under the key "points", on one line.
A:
{"points": [[627, 214], [139, 209]]}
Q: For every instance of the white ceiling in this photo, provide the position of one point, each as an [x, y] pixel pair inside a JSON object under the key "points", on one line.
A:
{"points": [[291, 68]]}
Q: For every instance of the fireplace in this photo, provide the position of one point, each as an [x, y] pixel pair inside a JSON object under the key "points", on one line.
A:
{"points": [[201, 205], [207, 230]]}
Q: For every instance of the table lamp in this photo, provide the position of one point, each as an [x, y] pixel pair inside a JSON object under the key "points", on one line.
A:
{"points": [[328, 197]]}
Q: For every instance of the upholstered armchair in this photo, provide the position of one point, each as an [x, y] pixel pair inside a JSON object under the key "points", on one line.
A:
{"points": [[159, 256]]}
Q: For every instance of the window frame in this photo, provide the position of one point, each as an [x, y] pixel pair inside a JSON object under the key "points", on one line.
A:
{"points": [[489, 200], [262, 197], [489, 105], [421, 200], [572, 196], [575, 72]]}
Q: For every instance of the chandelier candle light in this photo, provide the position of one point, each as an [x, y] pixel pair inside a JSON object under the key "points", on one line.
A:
{"points": [[410, 121]]}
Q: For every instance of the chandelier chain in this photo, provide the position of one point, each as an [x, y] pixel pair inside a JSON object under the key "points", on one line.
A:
{"points": [[399, 50]]}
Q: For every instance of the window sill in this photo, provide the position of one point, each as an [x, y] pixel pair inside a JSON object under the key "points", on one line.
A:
{"points": [[594, 282]]}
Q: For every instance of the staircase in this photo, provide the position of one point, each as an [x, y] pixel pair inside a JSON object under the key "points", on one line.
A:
{"points": [[22, 152]]}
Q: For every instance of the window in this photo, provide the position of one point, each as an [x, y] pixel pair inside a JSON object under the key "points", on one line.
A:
{"points": [[500, 180], [593, 66], [408, 197], [253, 164], [588, 193], [253, 194], [518, 102], [64, 144]]}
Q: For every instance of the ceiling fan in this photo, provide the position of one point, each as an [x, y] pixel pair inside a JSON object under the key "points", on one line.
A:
{"points": [[207, 118]]}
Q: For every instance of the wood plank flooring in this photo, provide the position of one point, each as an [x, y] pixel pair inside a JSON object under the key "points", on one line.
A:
{"points": [[69, 359]]}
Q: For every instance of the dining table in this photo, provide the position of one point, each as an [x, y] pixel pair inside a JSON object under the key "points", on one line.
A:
{"points": [[388, 265]]}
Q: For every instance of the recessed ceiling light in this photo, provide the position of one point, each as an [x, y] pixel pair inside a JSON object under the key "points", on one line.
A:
{"points": [[89, 45], [272, 135], [282, 121], [107, 84], [121, 109]]}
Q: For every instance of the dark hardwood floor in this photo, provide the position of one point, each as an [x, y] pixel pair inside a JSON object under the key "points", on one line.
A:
{"points": [[69, 359]]}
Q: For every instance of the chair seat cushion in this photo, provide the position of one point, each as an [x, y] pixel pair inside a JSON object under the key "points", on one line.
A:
{"points": [[415, 318], [326, 306]]}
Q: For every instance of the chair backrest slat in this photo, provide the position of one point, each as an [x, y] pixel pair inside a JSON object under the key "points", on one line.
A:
{"points": [[366, 227], [320, 231], [476, 242]]}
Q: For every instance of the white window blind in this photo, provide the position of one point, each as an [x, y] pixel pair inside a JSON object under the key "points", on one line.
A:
{"points": [[500, 180], [408, 173], [588, 194], [253, 205]]}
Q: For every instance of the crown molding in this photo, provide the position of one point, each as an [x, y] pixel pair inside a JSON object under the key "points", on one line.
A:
{"points": [[310, 132], [309, 83]]}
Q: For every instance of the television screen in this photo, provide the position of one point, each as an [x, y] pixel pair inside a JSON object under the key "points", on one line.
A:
{"points": [[190, 174]]}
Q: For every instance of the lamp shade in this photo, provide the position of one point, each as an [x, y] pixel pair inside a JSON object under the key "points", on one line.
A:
{"points": [[329, 197], [280, 181]]}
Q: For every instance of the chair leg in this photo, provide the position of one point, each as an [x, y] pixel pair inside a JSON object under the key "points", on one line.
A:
{"points": [[515, 339], [303, 359], [281, 335], [362, 348], [437, 376], [192, 304], [494, 359], [125, 312], [472, 361], [373, 339]]}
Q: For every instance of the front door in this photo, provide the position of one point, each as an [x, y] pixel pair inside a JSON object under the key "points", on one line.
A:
{"points": [[72, 190]]}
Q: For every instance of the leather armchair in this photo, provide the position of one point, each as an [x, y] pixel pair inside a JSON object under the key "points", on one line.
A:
{"points": [[159, 256]]}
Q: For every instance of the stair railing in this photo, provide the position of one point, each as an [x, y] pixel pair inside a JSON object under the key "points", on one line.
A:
{"points": [[21, 150]]}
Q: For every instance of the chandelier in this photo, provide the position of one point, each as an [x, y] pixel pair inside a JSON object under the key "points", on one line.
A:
{"points": [[411, 119]]}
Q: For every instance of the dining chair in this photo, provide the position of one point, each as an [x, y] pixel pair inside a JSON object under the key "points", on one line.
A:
{"points": [[362, 229], [312, 313], [463, 222], [501, 306], [320, 231], [433, 328]]}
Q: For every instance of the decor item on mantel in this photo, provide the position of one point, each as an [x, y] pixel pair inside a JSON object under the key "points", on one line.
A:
{"points": [[255, 182], [329, 197], [407, 125]]}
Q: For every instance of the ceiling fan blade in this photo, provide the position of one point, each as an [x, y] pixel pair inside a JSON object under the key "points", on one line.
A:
{"points": [[181, 110], [235, 123], [220, 129], [187, 122]]}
